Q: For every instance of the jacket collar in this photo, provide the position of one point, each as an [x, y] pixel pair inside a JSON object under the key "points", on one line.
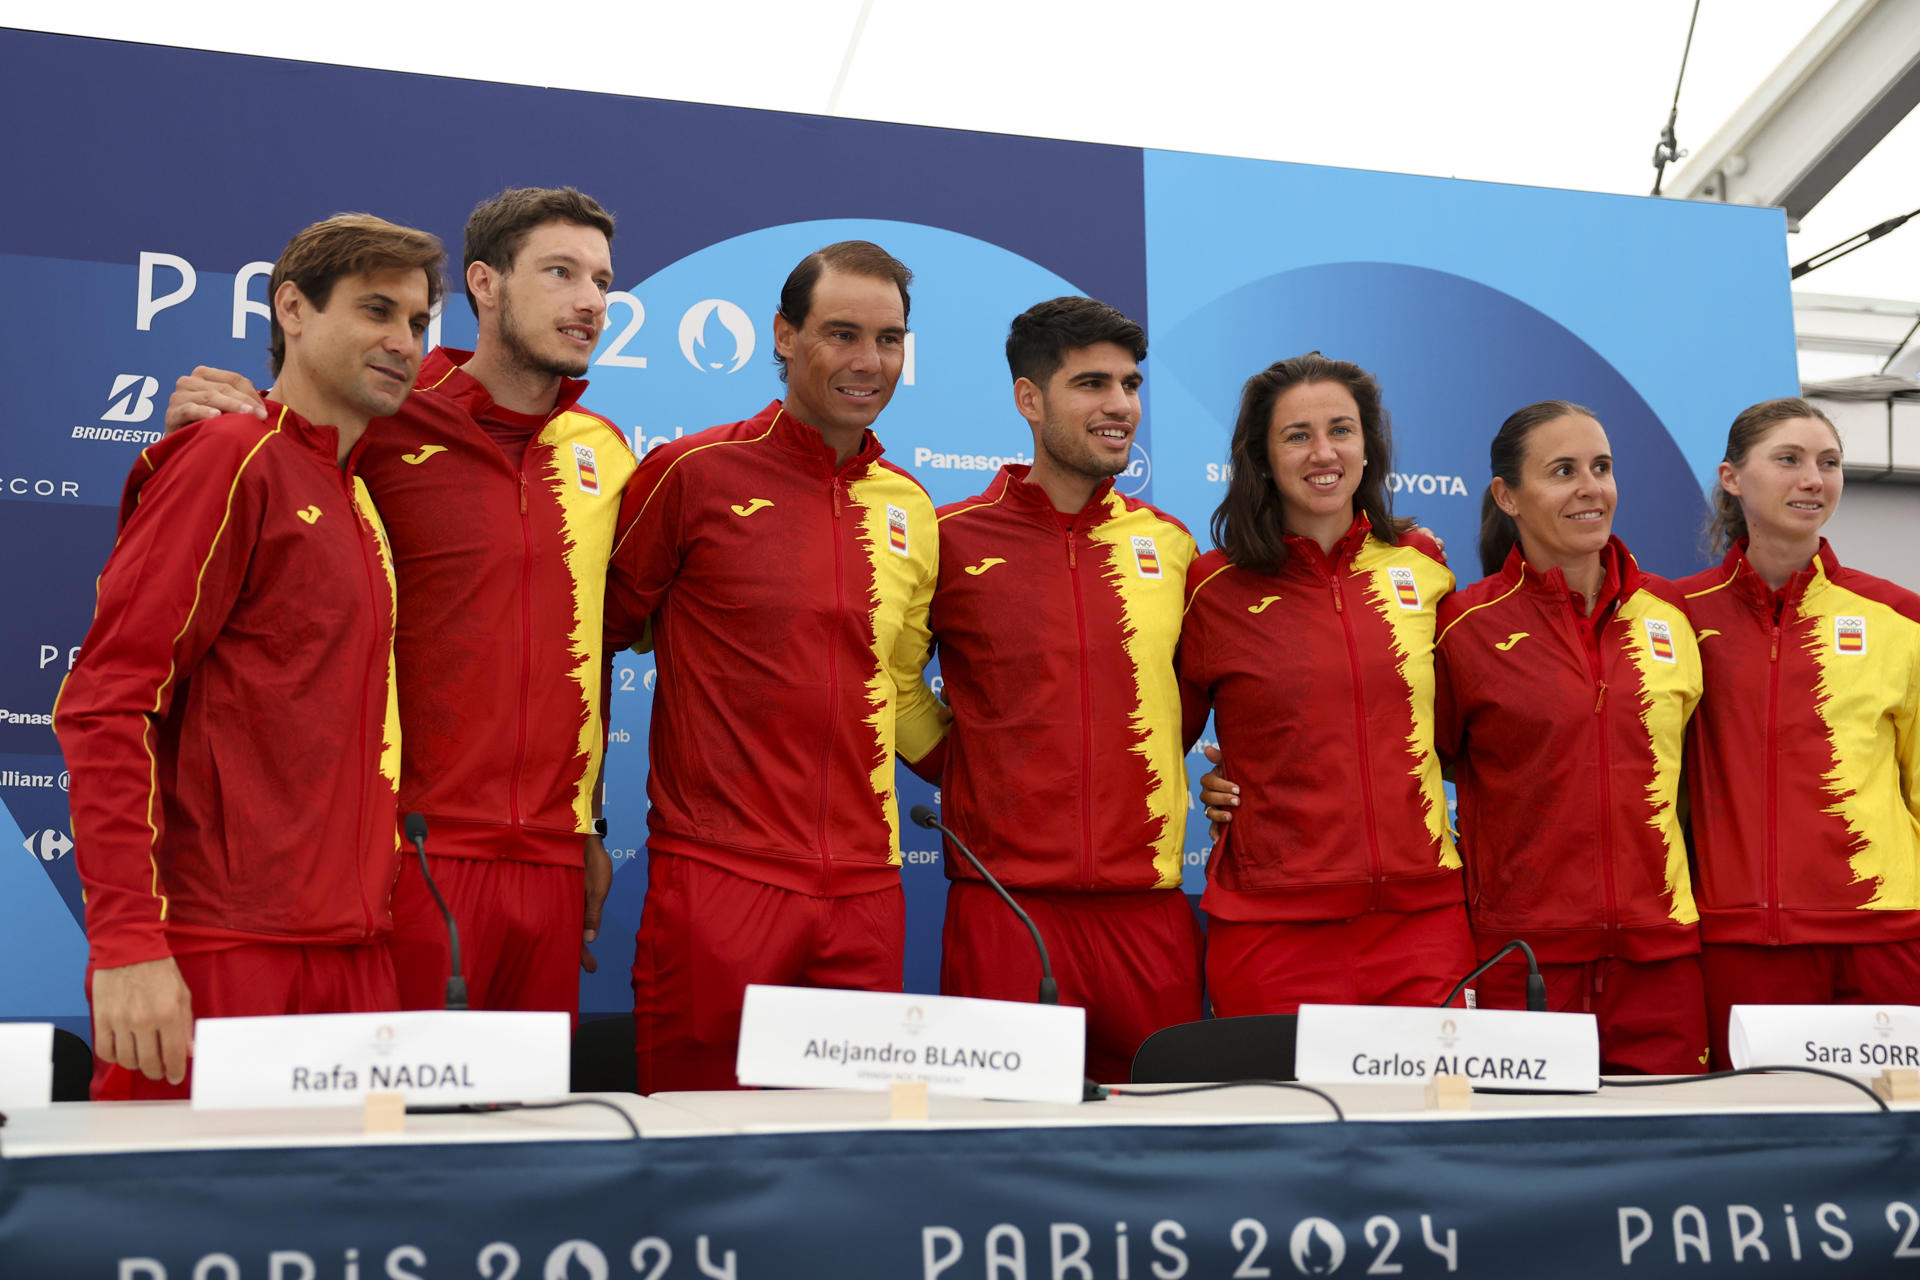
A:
{"points": [[1622, 573], [1305, 551], [1018, 492], [796, 437], [443, 373], [1753, 588], [320, 439]]}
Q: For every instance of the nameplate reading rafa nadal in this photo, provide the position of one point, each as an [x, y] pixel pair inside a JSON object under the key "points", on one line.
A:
{"points": [[337, 1059]]}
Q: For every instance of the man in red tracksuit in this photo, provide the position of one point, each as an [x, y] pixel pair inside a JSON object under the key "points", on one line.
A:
{"points": [[787, 571], [231, 726], [1057, 615], [500, 494]]}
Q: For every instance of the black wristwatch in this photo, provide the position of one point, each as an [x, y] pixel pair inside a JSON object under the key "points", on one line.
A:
{"points": [[600, 827]]}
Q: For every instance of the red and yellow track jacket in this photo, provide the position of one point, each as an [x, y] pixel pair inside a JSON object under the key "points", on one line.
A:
{"points": [[1804, 760], [230, 727], [789, 601], [1322, 686], [1566, 741], [1065, 767], [502, 574]]}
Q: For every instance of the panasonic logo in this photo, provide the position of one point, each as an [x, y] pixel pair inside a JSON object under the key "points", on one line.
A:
{"points": [[924, 457]]}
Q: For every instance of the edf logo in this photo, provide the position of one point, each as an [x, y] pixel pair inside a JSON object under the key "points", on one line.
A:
{"points": [[131, 399]]}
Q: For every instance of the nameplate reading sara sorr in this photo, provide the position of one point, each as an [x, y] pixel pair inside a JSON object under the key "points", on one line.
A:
{"points": [[1492, 1048], [817, 1038], [337, 1059], [1854, 1039]]}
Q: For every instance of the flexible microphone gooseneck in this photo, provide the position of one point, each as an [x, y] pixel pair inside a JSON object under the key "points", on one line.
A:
{"points": [[924, 816], [1536, 985], [416, 829]]}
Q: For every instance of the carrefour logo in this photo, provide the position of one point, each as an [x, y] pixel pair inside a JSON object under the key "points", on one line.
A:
{"points": [[716, 336], [49, 845]]}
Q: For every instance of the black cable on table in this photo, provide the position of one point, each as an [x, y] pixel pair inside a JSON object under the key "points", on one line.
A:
{"points": [[1878, 1101], [488, 1108], [1127, 1091]]}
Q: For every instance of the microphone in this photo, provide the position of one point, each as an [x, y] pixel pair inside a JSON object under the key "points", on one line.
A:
{"points": [[416, 828], [1536, 985], [924, 816]]}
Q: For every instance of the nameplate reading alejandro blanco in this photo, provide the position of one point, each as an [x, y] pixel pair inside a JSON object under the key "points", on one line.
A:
{"points": [[337, 1059], [816, 1038], [1492, 1048], [1854, 1039], [26, 1065]]}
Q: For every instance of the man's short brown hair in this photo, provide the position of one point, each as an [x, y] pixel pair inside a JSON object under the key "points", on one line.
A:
{"points": [[849, 257], [348, 244], [498, 227]]}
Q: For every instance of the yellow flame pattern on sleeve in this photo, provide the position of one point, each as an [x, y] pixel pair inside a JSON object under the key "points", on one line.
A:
{"points": [[1852, 701], [390, 732], [1151, 609], [1413, 642], [1668, 693], [588, 523]]}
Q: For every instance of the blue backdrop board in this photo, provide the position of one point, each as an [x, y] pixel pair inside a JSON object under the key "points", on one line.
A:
{"points": [[145, 212]]}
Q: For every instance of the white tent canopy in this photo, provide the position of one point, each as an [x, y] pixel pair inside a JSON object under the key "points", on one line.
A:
{"points": [[1516, 91]]}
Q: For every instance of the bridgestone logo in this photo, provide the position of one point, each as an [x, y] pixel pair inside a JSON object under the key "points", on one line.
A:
{"points": [[116, 435]]}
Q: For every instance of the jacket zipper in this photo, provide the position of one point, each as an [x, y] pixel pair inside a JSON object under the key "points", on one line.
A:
{"points": [[367, 558], [1590, 641], [1375, 868], [526, 643], [1773, 789], [1086, 719], [833, 686]]}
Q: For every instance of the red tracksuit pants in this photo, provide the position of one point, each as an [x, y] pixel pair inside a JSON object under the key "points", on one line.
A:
{"points": [[1861, 973], [520, 933], [1652, 1014], [1383, 957], [706, 934], [1131, 960], [258, 980]]}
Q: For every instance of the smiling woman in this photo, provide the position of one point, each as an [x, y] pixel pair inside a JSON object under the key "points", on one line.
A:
{"points": [[1565, 679], [1310, 637], [1803, 765]]}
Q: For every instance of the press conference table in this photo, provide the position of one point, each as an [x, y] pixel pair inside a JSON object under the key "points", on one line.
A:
{"points": [[1685, 1178]]}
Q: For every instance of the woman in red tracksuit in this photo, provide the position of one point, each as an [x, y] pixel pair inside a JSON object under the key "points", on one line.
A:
{"points": [[1803, 765], [1310, 635], [1567, 676]]}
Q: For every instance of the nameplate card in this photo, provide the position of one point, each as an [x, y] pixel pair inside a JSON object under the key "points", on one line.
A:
{"points": [[1493, 1048], [811, 1037], [337, 1059], [26, 1065], [1854, 1039]]}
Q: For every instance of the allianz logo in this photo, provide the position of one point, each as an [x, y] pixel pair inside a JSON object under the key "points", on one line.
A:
{"points": [[15, 778]]}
